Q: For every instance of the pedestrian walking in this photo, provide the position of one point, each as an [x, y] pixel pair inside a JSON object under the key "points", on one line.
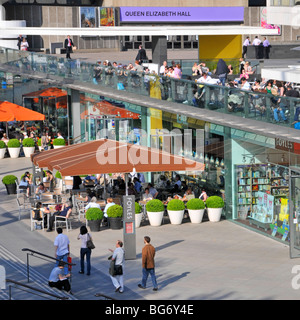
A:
{"points": [[118, 258], [58, 279], [148, 265], [84, 250], [68, 46], [266, 45], [256, 42], [62, 248], [245, 47], [141, 56]]}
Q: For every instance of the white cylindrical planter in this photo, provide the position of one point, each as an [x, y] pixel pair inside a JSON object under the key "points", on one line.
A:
{"points": [[14, 152], [155, 218], [28, 151], [57, 147], [2, 153], [196, 216], [138, 219], [176, 216], [214, 214]]}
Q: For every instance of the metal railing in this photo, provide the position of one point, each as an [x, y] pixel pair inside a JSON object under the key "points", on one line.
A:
{"points": [[224, 99], [34, 291], [42, 256]]}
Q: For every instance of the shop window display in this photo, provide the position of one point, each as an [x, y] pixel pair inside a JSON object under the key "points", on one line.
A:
{"points": [[262, 197]]}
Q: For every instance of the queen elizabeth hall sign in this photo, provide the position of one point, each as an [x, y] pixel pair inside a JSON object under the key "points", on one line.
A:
{"points": [[181, 14]]}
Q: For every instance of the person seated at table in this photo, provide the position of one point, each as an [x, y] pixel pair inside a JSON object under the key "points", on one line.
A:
{"points": [[90, 179], [120, 183], [109, 203], [89, 195], [152, 190], [177, 185], [189, 194], [147, 195], [131, 190], [137, 185], [66, 211], [39, 212], [203, 196], [184, 186], [50, 178], [162, 182], [92, 204], [26, 183], [39, 190]]}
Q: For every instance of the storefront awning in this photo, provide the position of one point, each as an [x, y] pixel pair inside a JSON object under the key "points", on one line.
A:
{"points": [[104, 108], [110, 156]]}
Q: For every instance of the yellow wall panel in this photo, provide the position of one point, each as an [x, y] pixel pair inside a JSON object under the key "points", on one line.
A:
{"points": [[220, 47]]}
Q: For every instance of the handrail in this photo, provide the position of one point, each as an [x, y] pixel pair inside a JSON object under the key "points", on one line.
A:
{"points": [[33, 252], [34, 289]]}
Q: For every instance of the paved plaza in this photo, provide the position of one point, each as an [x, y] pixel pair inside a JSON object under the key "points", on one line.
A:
{"points": [[210, 261]]}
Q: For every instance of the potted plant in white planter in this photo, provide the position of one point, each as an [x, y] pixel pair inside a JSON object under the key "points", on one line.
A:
{"points": [[59, 143], [138, 215], [115, 214], [14, 148], [176, 209], [214, 206], [2, 149], [94, 217], [28, 146], [196, 209], [155, 211]]}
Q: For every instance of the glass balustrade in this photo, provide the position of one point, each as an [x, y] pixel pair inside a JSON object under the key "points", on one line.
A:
{"points": [[224, 99]]}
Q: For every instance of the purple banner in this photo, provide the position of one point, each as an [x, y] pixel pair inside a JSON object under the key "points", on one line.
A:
{"points": [[181, 14]]}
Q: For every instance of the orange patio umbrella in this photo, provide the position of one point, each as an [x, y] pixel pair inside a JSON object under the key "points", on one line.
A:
{"points": [[110, 156], [12, 112]]}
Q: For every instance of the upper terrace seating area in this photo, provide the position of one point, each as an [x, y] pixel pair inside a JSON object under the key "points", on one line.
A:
{"points": [[233, 98]]}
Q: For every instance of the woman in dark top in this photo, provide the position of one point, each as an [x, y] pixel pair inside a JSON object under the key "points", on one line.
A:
{"points": [[66, 211]]}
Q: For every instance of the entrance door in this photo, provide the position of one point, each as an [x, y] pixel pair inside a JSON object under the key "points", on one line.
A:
{"points": [[294, 218]]}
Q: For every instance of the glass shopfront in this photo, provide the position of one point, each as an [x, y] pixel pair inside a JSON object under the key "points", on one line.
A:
{"points": [[250, 171]]}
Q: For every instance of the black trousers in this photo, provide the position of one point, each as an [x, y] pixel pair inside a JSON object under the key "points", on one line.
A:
{"points": [[61, 285], [68, 51], [244, 51]]}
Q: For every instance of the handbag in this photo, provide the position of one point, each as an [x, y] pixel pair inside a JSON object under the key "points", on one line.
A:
{"points": [[111, 269], [90, 244], [118, 270]]}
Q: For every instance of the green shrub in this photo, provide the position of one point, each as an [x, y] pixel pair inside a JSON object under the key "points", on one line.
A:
{"points": [[58, 175], [28, 142], [214, 202], [175, 205], [2, 144], [138, 208], [155, 205], [59, 142], [115, 211], [13, 143], [94, 214], [195, 204], [9, 179]]}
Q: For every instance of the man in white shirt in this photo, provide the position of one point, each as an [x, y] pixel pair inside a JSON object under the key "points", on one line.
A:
{"points": [[62, 248], [163, 69], [59, 136], [118, 257], [256, 42], [204, 79], [245, 47], [245, 84]]}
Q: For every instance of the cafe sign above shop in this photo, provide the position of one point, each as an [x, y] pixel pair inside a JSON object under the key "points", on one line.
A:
{"points": [[181, 14]]}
